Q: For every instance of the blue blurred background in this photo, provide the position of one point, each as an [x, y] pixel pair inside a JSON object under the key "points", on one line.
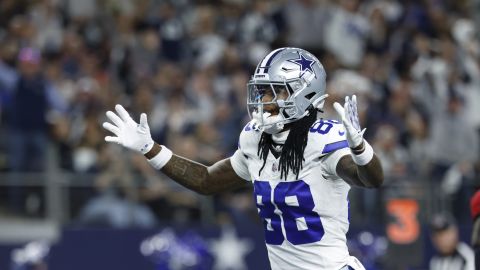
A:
{"points": [[70, 201]]}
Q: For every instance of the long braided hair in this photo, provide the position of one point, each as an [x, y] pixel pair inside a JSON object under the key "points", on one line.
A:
{"points": [[291, 156]]}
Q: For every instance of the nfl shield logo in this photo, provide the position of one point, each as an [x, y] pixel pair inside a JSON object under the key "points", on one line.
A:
{"points": [[274, 167]]}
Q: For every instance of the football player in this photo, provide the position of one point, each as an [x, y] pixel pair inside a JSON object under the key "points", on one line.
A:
{"points": [[301, 167]]}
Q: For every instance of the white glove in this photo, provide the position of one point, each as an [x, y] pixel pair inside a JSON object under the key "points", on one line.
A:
{"points": [[349, 115], [127, 132]]}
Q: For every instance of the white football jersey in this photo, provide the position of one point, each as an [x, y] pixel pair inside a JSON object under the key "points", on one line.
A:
{"points": [[305, 218]]}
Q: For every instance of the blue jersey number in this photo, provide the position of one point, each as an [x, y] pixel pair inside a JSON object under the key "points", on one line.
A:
{"points": [[322, 126], [294, 200]]}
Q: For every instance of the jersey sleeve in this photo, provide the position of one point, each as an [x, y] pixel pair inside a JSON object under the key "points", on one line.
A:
{"points": [[330, 161], [329, 136], [239, 159], [239, 164]]}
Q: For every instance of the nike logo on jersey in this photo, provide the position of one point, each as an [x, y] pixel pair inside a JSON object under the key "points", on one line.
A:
{"points": [[341, 133]]}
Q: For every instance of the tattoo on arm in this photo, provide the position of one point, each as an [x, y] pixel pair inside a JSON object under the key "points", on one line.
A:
{"points": [[202, 179], [369, 175]]}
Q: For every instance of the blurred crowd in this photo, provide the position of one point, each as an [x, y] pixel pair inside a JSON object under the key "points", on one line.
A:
{"points": [[63, 63]]}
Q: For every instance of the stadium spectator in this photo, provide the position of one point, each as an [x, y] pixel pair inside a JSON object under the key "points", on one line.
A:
{"points": [[30, 98], [452, 253], [475, 213]]}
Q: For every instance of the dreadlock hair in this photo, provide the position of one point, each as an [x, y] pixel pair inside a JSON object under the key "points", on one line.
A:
{"points": [[291, 156]]}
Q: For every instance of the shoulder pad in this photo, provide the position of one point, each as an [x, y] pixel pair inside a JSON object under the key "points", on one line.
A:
{"points": [[327, 136]]}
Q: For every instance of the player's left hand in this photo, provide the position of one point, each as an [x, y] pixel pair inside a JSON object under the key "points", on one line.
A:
{"points": [[349, 115]]}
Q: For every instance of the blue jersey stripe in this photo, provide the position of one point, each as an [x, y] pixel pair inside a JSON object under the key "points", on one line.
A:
{"points": [[334, 146]]}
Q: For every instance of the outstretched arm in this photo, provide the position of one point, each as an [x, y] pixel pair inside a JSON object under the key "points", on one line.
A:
{"points": [[362, 167], [192, 175], [198, 177]]}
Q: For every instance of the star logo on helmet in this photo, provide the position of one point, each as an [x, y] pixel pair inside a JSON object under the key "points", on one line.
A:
{"points": [[304, 63]]}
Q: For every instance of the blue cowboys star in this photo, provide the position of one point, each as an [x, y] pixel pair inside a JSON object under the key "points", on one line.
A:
{"points": [[304, 63]]}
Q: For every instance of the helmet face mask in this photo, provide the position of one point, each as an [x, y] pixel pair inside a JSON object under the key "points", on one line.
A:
{"points": [[269, 98], [285, 84]]}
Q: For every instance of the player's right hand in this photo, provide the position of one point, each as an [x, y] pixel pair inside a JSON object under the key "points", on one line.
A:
{"points": [[127, 132]]}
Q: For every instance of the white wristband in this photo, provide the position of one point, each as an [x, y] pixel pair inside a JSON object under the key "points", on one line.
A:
{"points": [[161, 158], [365, 157]]}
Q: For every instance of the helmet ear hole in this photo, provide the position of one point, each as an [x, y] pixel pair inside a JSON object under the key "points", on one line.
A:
{"points": [[310, 96]]}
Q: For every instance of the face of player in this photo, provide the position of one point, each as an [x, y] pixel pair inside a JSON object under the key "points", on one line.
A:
{"points": [[270, 95]]}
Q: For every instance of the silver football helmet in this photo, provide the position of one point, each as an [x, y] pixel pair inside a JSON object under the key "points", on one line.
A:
{"points": [[289, 80]]}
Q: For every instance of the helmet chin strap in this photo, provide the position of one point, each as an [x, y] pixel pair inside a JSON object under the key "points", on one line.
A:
{"points": [[271, 124]]}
